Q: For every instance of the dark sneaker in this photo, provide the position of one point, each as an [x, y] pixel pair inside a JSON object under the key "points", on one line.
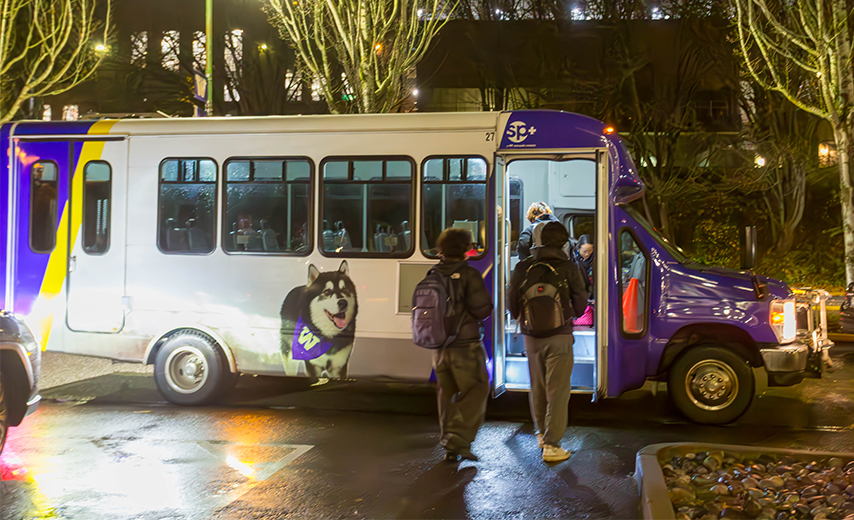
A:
{"points": [[451, 457], [468, 455]]}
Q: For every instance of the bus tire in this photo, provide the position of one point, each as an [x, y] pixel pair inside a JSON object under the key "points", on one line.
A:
{"points": [[191, 370], [711, 384]]}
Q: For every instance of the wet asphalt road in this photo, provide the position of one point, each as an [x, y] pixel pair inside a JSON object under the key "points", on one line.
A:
{"points": [[109, 447]]}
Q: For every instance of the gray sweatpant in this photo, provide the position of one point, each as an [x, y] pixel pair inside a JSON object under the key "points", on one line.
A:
{"points": [[550, 363], [462, 388]]}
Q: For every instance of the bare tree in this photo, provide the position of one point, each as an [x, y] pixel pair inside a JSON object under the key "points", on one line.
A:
{"points": [[784, 138], [803, 50], [46, 48], [665, 132], [359, 51]]}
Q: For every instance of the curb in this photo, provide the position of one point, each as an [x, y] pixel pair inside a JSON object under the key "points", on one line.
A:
{"points": [[655, 503], [844, 338]]}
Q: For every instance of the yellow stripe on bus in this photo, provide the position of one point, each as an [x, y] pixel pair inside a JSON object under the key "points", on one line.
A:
{"points": [[56, 271]]}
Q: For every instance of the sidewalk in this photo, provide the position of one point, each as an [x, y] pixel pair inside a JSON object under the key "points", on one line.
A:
{"points": [[60, 369]]}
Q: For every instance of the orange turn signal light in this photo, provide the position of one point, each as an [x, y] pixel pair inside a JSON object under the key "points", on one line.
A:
{"points": [[609, 130]]}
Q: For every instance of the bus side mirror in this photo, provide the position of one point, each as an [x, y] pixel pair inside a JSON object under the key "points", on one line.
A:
{"points": [[748, 248]]}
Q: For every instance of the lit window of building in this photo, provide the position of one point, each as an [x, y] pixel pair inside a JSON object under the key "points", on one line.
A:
{"points": [[200, 57], [315, 90], [169, 51], [70, 113], [293, 85], [138, 48], [233, 63]]}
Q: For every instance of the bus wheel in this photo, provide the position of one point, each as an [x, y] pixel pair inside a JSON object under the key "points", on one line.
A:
{"points": [[711, 385], [190, 369], [4, 417]]}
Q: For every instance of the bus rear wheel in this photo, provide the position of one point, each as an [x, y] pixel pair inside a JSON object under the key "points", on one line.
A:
{"points": [[711, 384], [191, 370]]}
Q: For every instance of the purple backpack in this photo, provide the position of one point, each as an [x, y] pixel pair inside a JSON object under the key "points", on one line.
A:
{"points": [[434, 311]]}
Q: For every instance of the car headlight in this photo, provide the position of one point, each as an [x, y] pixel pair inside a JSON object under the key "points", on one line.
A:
{"points": [[783, 320]]}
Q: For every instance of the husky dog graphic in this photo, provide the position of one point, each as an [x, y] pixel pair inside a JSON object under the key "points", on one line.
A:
{"points": [[319, 324]]}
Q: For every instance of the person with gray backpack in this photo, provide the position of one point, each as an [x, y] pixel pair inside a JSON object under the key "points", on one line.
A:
{"points": [[448, 307], [546, 293]]}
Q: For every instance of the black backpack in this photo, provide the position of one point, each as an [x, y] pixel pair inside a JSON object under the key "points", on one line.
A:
{"points": [[543, 294], [435, 318]]}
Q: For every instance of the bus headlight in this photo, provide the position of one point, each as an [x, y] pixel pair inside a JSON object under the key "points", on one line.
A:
{"points": [[783, 320]]}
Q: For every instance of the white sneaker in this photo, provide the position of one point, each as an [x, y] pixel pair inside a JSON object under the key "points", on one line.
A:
{"points": [[540, 440], [555, 454]]}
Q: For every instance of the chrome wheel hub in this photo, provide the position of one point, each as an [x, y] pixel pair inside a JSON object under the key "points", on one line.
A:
{"points": [[186, 370], [711, 384]]}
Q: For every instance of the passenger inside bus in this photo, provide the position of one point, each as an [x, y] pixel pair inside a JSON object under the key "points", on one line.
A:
{"points": [[584, 255]]}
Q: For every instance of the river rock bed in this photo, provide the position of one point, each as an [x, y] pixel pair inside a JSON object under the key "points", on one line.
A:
{"points": [[716, 484]]}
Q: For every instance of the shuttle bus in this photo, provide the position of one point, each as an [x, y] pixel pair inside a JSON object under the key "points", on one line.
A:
{"points": [[291, 246]]}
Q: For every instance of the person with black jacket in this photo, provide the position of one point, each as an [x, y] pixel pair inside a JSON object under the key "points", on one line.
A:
{"points": [[462, 381], [538, 212], [550, 359]]}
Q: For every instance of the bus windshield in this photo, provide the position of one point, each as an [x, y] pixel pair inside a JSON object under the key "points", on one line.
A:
{"points": [[674, 250]]}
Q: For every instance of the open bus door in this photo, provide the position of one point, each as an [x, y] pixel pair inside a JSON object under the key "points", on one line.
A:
{"points": [[96, 258], [571, 182], [502, 251]]}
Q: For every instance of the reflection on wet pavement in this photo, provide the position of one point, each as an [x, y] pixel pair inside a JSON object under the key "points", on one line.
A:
{"points": [[343, 450], [134, 477]]}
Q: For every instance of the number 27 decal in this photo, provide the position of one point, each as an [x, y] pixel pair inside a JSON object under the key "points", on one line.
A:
{"points": [[490, 136]]}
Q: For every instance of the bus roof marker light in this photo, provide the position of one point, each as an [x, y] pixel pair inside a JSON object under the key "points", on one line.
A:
{"points": [[609, 130]]}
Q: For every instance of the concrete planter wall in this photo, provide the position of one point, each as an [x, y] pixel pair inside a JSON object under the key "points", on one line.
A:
{"points": [[654, 500]]}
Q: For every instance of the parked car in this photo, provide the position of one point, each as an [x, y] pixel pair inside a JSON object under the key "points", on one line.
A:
{"points": [[20, 367]]}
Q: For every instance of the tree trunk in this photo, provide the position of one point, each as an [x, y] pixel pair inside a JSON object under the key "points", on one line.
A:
{"points": [[843, 146]]}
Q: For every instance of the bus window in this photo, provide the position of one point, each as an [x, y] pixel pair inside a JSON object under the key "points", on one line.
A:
{"points": [[366, 206], [580, 225], [454, 195], [187, 202], [97, 176], [267, 206], [633, 284], [43, 207]]}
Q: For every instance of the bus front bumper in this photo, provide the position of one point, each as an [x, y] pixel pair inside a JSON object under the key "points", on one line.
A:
{"points": [[788, 365], [785, 358]]}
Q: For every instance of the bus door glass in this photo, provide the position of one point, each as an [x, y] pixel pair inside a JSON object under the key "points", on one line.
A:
{"points": [[567, 184], [96, 259], [41, 190], [502, 251]]}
